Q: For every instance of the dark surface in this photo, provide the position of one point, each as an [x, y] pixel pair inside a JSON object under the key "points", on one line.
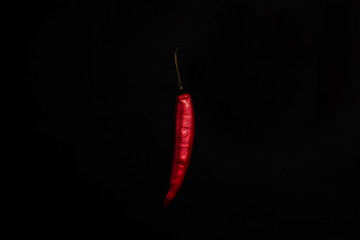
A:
{"points": [[277, 102]]}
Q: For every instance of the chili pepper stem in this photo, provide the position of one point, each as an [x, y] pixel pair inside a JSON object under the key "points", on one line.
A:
{"points": [[177, 69]]}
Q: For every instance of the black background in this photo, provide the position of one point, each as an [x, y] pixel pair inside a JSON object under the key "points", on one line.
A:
{"points": [[277, 100]]}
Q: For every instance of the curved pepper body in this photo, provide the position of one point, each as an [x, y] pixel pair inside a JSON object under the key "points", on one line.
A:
{"points": [[184, 140]]}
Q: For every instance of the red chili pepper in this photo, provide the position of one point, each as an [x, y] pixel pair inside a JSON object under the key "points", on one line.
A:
{"points": [[184, 140]]}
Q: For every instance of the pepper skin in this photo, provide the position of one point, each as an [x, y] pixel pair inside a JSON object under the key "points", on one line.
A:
{"points": [[184, 140]]}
